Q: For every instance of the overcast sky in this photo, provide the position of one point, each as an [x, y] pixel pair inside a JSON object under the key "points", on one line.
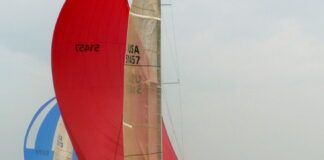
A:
{"points": [[252, 76]]}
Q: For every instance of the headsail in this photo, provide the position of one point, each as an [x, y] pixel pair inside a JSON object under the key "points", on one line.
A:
{"points": [[142, 91], [87, 63], [63, 148]]}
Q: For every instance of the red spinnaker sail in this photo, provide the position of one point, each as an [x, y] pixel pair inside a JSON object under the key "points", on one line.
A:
{"points": [[168, 151], [88, 55], [88, 71]]}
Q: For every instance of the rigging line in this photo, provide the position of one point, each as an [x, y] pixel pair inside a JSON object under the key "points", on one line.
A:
{"points": [[166, 4], [172, 53], [176, 65], [167, 83], [181, 120], [171, 47], [164, 98], [180, 85], [172, 83], [171, 121]]}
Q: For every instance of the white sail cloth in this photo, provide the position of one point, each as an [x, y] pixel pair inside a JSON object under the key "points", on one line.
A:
{"points": [[142, 83]]}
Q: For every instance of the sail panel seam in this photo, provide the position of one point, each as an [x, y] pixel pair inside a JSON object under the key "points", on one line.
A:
{"points": [[148, 154], [145, 16]]}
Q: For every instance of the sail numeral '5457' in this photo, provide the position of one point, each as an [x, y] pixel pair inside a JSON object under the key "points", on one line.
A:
{"points": [[83, 48]]}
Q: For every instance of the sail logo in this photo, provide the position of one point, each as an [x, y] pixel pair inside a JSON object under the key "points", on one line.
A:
{"points": [[42, 134]]}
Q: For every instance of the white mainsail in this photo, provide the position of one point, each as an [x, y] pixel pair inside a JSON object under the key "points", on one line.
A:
{"points": [[142, 88]]}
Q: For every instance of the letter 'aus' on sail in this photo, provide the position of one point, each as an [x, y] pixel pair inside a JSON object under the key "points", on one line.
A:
{"points": [[142, 83], [87, 63]]}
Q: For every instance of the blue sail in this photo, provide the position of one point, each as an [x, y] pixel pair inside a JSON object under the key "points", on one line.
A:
{"points": [[40, 135]]}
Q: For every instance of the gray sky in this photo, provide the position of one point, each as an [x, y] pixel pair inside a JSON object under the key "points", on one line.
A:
{"points": [[251, 71]]}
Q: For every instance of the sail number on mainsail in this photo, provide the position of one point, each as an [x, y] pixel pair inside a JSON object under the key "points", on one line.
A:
{"points": [[133, 56]]}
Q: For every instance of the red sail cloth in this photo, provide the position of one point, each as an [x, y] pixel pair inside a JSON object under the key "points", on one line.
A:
{"points": [[88, 72], [88, 79], [168, 151]]}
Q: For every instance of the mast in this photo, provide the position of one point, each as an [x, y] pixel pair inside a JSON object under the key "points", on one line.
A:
{"points": [[142, 83]]}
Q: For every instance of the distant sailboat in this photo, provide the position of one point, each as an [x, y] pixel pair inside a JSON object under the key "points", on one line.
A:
{"points": [[110, 102], [46, 139], [63, 148]]}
